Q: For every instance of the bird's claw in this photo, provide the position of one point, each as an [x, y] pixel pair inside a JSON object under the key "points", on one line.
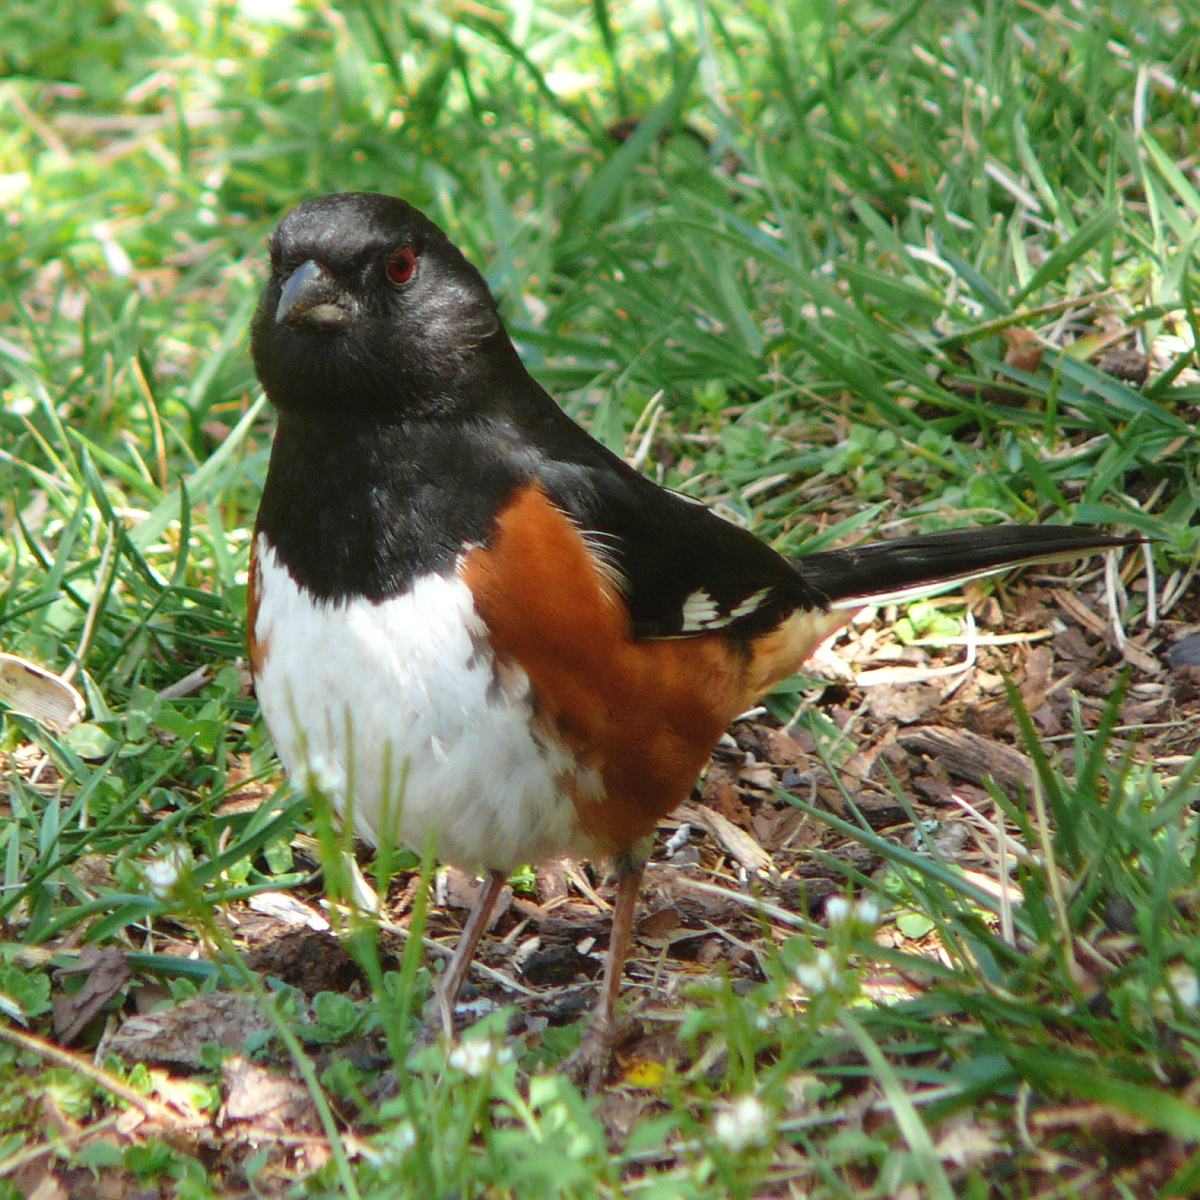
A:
{"points": [[589, 1065]]}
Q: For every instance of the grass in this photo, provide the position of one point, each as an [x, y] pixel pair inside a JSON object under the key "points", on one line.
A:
{"points": [[822, 243]]}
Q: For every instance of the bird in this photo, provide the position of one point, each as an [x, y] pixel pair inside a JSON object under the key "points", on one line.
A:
{"points": [[488, 630]]}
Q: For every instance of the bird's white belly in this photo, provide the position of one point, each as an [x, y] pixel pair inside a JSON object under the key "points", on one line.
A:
{"points": [[398, 706]]}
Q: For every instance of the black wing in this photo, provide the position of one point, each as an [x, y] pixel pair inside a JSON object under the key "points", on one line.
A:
{"points": [[682, 570]]}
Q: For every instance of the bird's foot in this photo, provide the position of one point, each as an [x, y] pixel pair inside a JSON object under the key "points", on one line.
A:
{"points": [[437, 1021], [589, 1067]]}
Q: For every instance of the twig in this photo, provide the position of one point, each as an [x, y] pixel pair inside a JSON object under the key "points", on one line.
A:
{"points": [[894, 675], [488, 972], [189, 685], [21, 1158], [773, 911], [1112, 598], [585, 889], [99, 1076], [1175, 586]]}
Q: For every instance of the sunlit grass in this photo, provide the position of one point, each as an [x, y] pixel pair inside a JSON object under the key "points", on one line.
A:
{"points": [[817, 245]]}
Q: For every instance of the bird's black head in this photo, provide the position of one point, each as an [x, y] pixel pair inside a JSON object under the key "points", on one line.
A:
{"points": [[371, 312]]}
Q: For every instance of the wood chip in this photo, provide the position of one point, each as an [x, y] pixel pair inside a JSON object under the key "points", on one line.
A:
{"points": [[1141, 659], [734, 841], [968, 756], [1091, 620], [552, 882], [178, 1034]]}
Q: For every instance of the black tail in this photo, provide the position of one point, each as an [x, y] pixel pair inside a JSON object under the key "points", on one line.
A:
{"points": [[910, 567]]}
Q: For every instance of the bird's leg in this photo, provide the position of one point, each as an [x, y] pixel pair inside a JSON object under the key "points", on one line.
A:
{"points": [[589, 1064], [449, 983], [629, 882]]}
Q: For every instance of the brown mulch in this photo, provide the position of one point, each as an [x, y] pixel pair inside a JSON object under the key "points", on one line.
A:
{"points": [[736, 851]]}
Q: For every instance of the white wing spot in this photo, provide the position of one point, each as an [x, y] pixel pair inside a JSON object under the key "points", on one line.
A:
{"points": [[749, 605], [699, 611]]}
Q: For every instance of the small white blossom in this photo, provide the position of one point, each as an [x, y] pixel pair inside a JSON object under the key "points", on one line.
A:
{"points": [[1186, 985], [864, 912], [404, 1137], [819, 975], [393, 1148], [743, 1123], [325, 776], [162, 874], [477, 1055]]}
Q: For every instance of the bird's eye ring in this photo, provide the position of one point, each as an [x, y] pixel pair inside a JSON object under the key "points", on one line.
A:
{"points": [[401, 265]]}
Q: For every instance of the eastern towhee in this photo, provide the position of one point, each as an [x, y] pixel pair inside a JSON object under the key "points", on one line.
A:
{"points": [[488, 626]]}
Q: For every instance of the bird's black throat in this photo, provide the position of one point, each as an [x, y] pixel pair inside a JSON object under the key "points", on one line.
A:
{"points": [[356, 507]]}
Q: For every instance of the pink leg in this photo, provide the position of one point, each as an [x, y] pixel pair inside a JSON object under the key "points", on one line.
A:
{"points": [[589, 1064], [450, 982]]}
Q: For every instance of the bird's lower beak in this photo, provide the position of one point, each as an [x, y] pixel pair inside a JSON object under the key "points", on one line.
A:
{"points": [[311, 298]]}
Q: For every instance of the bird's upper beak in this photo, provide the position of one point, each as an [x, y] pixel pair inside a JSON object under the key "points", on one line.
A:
{"points": [[312, 298]]}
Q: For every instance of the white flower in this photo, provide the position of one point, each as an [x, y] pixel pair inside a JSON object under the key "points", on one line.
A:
{"points": [[392, 1148], [819, 975], [404, 1137], [743, 1123], [477, 1055], [326, 776], [162, 874], [864, 912], [1186, 985]]}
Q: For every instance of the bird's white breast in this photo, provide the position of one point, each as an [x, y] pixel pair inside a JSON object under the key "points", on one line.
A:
{"points": [[400, 707]]}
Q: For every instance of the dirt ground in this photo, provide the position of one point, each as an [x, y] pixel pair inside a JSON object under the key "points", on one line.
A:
{"points": [[735, 868]]}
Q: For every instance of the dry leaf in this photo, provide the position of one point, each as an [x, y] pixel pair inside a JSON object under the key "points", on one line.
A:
{"points": [[271, 1103], [108, 972], [35, 692], [1024, 351], [288, 910], [905, 703]]}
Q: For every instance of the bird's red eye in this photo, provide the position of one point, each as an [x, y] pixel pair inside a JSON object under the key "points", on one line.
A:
{"points": [[401, 265]]}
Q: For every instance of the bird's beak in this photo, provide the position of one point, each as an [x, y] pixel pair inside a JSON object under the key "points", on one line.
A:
{"points": [[312, 298]]}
